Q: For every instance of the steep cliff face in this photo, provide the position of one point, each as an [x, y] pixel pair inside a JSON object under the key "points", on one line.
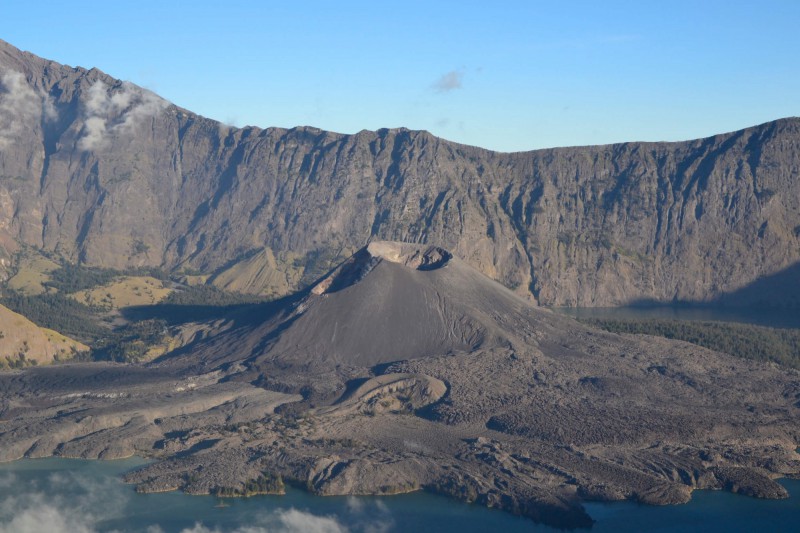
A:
{"points": [[106, 173], [677, 221]]}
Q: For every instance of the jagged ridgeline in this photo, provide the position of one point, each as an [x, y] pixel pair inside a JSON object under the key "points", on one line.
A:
{"points": [[105, 173]]}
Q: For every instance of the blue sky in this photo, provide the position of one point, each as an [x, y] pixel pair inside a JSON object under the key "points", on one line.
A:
{"points": [[509, 76]]}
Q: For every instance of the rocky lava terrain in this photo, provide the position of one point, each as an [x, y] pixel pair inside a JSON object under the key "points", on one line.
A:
{"points": [[406, 369]]}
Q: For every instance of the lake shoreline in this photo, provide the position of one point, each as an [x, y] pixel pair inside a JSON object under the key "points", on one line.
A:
{"points": [[182, 511]]}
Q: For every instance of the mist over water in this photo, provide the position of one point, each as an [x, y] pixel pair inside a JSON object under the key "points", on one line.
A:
{"points": [[67, 495], [55, 495]]}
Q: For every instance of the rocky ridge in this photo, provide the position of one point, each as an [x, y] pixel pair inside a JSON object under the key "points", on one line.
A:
{"points": [[106, 173]]}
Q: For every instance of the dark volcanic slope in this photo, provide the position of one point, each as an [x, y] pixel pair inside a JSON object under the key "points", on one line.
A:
{"points": [[376, 309], [104, 172], [379, 320]]}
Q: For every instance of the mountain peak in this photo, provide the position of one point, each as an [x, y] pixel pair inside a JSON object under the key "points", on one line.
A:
{"points": [[419, 257], [390, 301], [354, 269]]}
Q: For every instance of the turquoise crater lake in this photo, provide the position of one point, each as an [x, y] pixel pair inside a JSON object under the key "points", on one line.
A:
{"points": [[72, 495]]}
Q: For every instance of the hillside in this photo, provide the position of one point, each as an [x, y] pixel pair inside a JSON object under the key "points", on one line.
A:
{"points": [[23, 343], [102, 172]]}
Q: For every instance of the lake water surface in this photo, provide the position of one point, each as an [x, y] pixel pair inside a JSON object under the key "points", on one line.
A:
{"points": [[53, 495]]}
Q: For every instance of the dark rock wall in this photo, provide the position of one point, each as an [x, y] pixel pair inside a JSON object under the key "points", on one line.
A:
{"points": [[106, 173]]}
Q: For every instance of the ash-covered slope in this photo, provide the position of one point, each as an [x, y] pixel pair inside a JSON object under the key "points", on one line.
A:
{"points": [[373, 311], [389, 302], [104, 172]]}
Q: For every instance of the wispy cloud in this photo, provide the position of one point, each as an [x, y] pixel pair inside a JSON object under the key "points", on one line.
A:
{"points": [[33, 510], [71, 501], [369, 517], [119, 112], [449, 82], [21, 107], [280, 521], [298, 521]]}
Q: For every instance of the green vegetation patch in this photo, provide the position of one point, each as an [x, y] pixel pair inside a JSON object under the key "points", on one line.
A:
{"points": [[70, 278], [132, 342], [125, 291], [760, 343], [16, 362], [70, 307], [32, 272], [208, 296], [317, 263], [264, 484], [74, 278], [57, 312]]}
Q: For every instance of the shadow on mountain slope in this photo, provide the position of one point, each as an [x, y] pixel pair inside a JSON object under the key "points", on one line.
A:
{"points": [[778, 290]]}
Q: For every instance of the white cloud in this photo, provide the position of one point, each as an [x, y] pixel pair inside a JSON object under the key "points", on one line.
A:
{"points": [[282, 521], [94, 132], [377, 519], [119, 112], [224, 129], [295, 521], [34, 512], [49, 109], [19, 96], [449, 82], [34, 509], [355, 505], [73, 502], [36, 515], [20, 106]]}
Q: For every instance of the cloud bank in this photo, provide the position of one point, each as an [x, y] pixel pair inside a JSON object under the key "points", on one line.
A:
{"points": [[69, 501], [20, 106], [76, 502], [280, 521], [30, 509], [107, 113], [35, 509]]}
